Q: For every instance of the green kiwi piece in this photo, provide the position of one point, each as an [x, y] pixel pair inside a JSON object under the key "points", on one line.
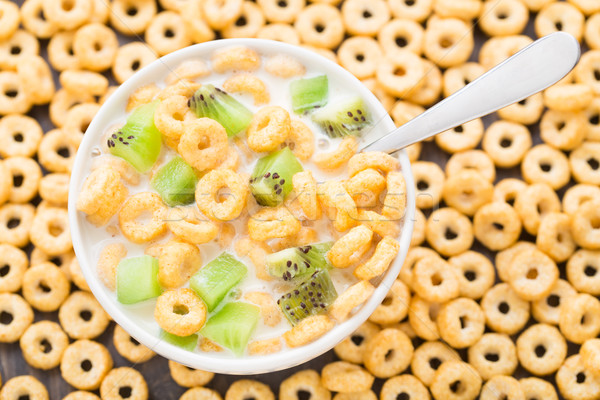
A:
{"points": [[232, 326], [138, 142], [137, 279], [188, 343], [271, 180], [212, 102], [343, 118], [213, 281], [311, 297], [175, 182], [298, 261], [309, 93]]}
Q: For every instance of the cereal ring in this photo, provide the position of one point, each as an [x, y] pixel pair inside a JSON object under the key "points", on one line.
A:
{"points": [[429, 179], [284, 12], [320, 25], [590, 34], [559, 17], [62, 261], [547, 310], [584, 225], [17, 315], [279, 32], [428, 358], [338, 205], [102, 195], [463, 137], [180, 312], [43, 345], [188, 377], [308, 330], [394, 202], [535, 202], [385, 252], [26, 175], [467, 191], [413, 256], [13, 98], [506, 143], [494, 354], [60, 49], [461, 322], [449, 232], [574, 381], [68, 18], [532, 274], [284, 66], [507, 189], [475, 273], [269, 127], [365, 395], [188, 70], [344, 377], [504, 258], [563, 129], [248, 23], [300, 140], [93, 54], [434, 281], [352, 348], [578, 194], [207, 190], [372, 159], [422, 316], [465, 9], [36, 79], [45, 287], [590, 354], [404, 385], [527, 111], [453, 374], [21, 44], [360, 55], [582, 271], [404, 111], [580, 318], [133, 207], [350, 247], [388, 353], [84, 364], [266, 346], [536, 388], [203, 144], [554, 236], [394, 307], [171, 116], [81, 395], [401, 75], [63, 101], [584, 162], [505, 311], [247, 83], [235, 58], [501, 387], [354, 296], [363, 17], [132, 17], [307, 380], [177, 262], [271, 314], [129, 348], [191, 228], [14, 263], [54, 188], [507, 17], [592, 114], [448, 42], [541, 349], [498, 49], [472, 159], [10, 18], [130, 58], [497, 225], [340, 156], [50, 231], [568, 97], [305, 187], [455, 78], [77, 120], [417, 10], [15, 223], [199, 393], [82, 317], [23, 387], [401, 34], [84, 81], [429, 92], [5, 183], [124, 380], [166, 33]]}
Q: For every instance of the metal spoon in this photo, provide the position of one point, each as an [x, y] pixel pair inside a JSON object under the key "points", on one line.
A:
{"points": [[531, 70]]}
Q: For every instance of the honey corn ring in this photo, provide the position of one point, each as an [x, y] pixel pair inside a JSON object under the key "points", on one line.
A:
{"points": [[177, 262], [355, 242], [180, 312], [203, 143], [385, 251], [271, 223], [269, 127], [207, 191], [136, 205]]}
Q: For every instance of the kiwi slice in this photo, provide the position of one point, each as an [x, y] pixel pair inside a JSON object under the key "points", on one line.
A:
{"points": [[271, 180], [217, 278], [232, 326], [212, 102], [298, 261], [138, 142], [343, 118], [311, 297], [309, 93], [175, 182], [137, 279], [188, 343]]}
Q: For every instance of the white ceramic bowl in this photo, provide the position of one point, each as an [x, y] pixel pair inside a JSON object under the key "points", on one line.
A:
{"points": [[83, 236]]}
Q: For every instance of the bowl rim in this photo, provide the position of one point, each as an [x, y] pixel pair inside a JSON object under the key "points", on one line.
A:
{"points": [[246, 365]]}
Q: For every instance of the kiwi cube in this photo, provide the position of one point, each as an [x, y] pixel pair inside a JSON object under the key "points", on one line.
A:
{"points": [[138, 142], [188, 343], [232, 326], [213, 281], [137, 279], [298, 261], [343, 118], [175, 182], [271, 180], [309, 93]]}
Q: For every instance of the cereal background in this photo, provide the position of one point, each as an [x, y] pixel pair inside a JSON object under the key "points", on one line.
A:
{"points": [[569, 130]]}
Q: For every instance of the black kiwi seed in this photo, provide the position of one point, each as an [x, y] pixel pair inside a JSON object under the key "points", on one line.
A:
{"points": [[202, 97], [278, 191], [275, 175], [349, 114], [114, 135], [358, 111], [189, 102], [288, 263], [296, 292], [302, 305], [281, 182], [268, 174], [307, 264]]}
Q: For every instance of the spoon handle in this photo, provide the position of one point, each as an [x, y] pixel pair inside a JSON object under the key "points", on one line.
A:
{"points": [[533, 69]]}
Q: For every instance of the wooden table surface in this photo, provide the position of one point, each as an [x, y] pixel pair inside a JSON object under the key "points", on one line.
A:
{"points": [[156, 371]]}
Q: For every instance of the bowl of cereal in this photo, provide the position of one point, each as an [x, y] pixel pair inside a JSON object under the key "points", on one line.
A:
{"points": [[220, 211]]}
